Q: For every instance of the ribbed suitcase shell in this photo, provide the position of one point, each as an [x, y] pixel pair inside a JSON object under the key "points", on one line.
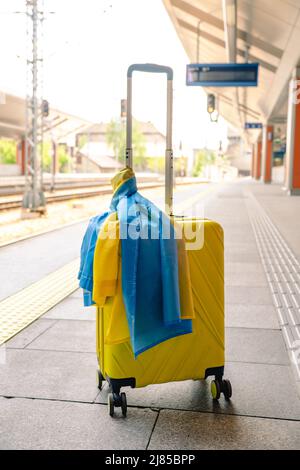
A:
{"points": [[188, 356]]}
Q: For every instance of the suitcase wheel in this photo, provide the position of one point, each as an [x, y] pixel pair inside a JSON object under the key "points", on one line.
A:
{"points": [[215, 388], [100, 379], [227, 389], [218, 386], [124, 404], [117, 400], [111, 406]]}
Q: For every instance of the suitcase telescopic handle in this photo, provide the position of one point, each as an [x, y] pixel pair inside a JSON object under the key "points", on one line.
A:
{"points": [[153, 68]]}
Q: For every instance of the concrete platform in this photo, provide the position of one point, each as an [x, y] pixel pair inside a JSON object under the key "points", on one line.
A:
{"points": [[254, 393], [50, 366], [245, 316], [204, 431], [40, 424], [52, 375]]}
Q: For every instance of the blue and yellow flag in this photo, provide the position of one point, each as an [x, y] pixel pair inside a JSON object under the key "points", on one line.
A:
{"points": [[141, 267]]}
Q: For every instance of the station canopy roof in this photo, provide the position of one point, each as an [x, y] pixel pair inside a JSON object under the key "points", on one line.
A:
{"points": [[59, 126], [267, 32]]}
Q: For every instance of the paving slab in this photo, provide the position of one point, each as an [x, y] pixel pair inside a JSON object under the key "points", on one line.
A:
{"points": [[68, 335], [26, 336], [236, 268], [226, 204], [237, 218], [241, 257], [219, 207], [235, 225], [251, 316], [49, 374], [43, 424], [255, 345], [189, 430], [71, 309], [241, 252], [241, 247], [236, 234], [248, 295], [245, 275], [258, 390], [231, 190]]}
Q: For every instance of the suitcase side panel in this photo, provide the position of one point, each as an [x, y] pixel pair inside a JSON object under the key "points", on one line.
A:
{"points": [[188, 356]]}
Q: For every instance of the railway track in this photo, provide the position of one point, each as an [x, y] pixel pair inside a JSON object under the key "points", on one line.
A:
{"points": [[12, 186], [15, 201], [11, 196]]}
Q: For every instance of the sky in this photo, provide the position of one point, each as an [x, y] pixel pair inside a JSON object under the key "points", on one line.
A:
{"points": [[87, 48]]}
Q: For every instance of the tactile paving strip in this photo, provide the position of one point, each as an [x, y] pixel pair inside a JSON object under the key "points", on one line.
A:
{"points": [[22, 308], [282, 270]]}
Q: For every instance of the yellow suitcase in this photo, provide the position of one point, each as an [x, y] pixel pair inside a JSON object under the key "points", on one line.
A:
{"points": [[192, 356]]}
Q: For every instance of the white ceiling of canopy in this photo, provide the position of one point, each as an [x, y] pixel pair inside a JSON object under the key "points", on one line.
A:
{"points": [[268, 29]]}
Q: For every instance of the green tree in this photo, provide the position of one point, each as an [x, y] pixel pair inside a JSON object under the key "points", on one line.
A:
{"points": [[203, 158], [82, 140], [8, 151], [116, 139], [64, 159], [46, 156]]}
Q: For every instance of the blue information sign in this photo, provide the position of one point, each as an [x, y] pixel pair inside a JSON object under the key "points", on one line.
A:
{"points": [[253, 125], [231, 74]]}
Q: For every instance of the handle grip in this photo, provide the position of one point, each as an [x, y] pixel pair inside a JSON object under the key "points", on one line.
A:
{"points": [[153, 68]]}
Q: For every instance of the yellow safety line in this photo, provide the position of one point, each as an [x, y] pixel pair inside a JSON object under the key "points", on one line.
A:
{"points": [[22, 308], [27, 305]]}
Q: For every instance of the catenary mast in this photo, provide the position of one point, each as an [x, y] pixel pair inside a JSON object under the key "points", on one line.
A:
{"points": [[34, 200]]}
